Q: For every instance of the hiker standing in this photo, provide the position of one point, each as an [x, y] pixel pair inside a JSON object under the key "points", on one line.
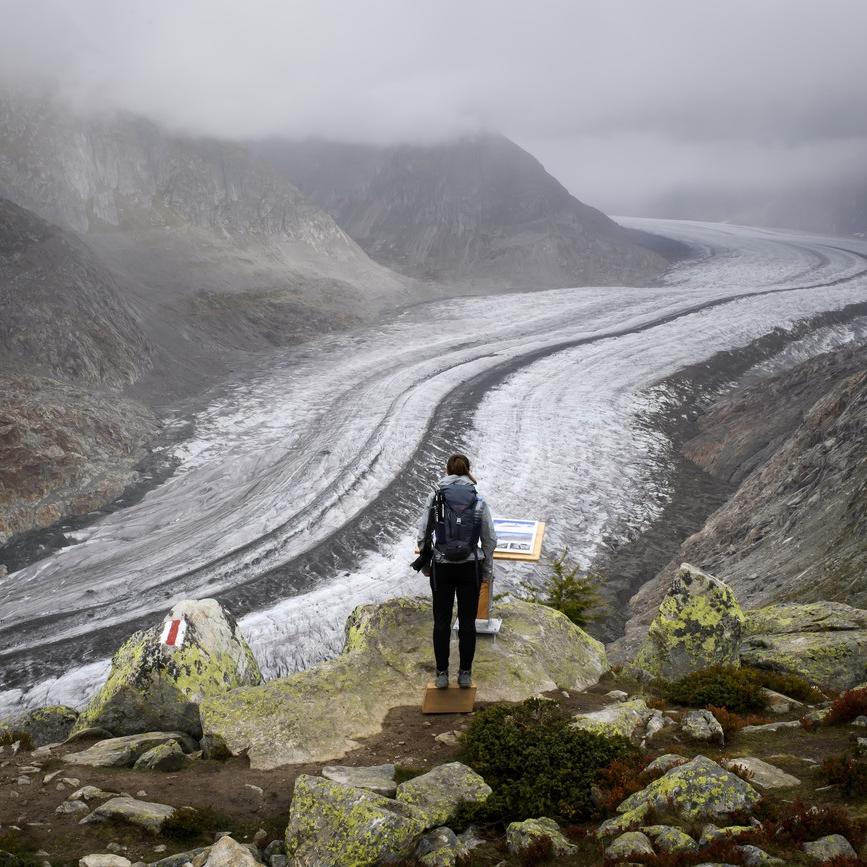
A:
{"points": [[453, 522]]}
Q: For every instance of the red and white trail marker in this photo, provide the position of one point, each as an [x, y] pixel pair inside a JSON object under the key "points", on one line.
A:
{"points": [[174, 632]]}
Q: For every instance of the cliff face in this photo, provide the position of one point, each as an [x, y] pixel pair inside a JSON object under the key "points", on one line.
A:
{"points": [[477, 209], [62, 310], [796, 528]]}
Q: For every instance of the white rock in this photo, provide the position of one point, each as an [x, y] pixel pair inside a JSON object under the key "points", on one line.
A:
{"points": [[764, 774], [104, 861]]}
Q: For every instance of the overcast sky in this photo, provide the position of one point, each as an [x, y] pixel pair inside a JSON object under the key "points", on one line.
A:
{"points": [[620, 99]]}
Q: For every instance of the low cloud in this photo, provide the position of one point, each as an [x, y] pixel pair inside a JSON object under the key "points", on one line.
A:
{"points": [[621, 99]]}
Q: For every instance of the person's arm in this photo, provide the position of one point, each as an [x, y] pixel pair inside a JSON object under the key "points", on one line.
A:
{"points": [[422, 526], [489, 542]]}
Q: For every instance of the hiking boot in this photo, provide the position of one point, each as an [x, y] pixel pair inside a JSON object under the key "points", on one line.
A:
{"points": [[465, 678], [442, 681]]}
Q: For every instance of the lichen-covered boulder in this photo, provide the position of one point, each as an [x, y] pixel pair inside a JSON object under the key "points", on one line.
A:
{"points": [[700, 789], [163, 757], [629, 845], [44, 725], [123, 752], [522, 836], [441, 791], [624, 718], [438, 848], [144, 814], [331, 825], [667, 838], [826, 642], [828, 848], [699, 624], [159, 676], [702, 725], [666, 762], [321, 713]]}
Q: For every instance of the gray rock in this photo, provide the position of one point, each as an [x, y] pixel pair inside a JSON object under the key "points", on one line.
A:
{"points": [[624, 718], [629, 845], [860, 721], [520, 836], [228, 853], [70, 807], [666, 762], [331, 825], [711, 832], [779, 703], [700, 789], [376, 778], [438, 848], [104, 861], [702, 725], [124, 751], [617, 695], [91, 733], [441, 791], [764, 774], [830, 847], [180, 858], [278, 860], [144, 814], [45, 725], [163, 757], [449, 739], [91, 793], [657, 724], [155, 687], [755, 857], [667, 838], [771, 727]]}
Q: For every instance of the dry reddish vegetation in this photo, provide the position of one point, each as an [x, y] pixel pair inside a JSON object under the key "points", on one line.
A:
{"points": [[622, 778], [847, 707], [733, 722]]}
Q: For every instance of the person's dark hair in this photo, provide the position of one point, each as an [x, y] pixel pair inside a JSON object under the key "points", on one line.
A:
{"points": [[459, 465]]}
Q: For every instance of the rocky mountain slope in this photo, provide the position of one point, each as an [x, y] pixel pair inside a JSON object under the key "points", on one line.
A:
{"points": [[63, 313], [796, 527], [476, 209]]}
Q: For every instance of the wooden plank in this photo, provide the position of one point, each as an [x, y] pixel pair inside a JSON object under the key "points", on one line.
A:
{"points": [[451, 700], [482, 612]]}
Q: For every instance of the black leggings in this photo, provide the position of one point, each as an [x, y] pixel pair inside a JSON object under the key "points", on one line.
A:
{"points": [[455, 579]]}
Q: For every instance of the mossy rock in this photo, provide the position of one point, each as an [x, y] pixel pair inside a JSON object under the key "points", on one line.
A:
{"points": [[152, 687], [626, 719], [45, 725], [441, 792], [699, 624], [321, 714], [331, 825], [700, 789], [825, 642]]}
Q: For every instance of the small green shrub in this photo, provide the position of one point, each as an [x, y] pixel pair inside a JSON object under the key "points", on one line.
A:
{"points": [[791, 685], [568, 590], [535, 762], [735, 689], [10, 736], [848, 706]]}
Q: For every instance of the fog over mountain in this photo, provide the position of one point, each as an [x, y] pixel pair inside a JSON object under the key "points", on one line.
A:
{"points": [[627, 103]]}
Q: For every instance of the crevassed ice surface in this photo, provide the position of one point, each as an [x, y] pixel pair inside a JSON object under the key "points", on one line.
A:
{"points": [[287, 462]]}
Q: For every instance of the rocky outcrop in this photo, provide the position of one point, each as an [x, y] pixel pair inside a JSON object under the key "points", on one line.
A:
{"points": [[478, 209], [698, 624], [64, 450], [43, 725], [157, 684], [826, 642], [386, 663]]}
